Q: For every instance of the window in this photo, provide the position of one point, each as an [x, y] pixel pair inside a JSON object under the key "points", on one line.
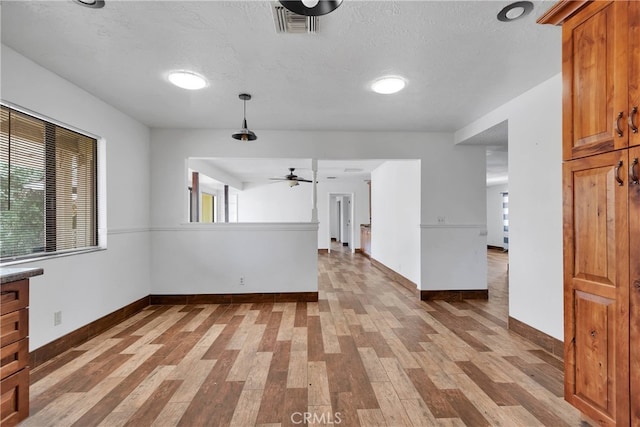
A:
{"points": [[48, 196], [505, 220]]}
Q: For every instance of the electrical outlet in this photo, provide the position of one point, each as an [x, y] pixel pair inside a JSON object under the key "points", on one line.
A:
{"points": [[441, 220], [57, 318], [241, 281]]}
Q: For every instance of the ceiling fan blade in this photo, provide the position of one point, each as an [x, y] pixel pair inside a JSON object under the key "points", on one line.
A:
{"points": [[280, 179], [303, 180]]}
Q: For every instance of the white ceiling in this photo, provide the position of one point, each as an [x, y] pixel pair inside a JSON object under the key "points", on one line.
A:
{"points": [[459, 60]]}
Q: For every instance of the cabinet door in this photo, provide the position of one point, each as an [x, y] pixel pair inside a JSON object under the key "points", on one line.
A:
{"points": [[596, 286], [634, 72], [594, 69], [634, 258]]}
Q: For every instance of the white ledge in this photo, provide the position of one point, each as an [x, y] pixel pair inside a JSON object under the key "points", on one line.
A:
{"points": [[242, 226], [453, 225]]}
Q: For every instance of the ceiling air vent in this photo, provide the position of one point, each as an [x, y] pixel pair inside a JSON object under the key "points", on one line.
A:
{"points": [[289, 22]]}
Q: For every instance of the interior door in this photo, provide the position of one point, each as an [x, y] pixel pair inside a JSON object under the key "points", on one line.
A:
{"points": [[596, 266]]}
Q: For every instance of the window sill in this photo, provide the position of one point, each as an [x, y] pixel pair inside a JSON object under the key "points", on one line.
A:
{"points": [[45, 257]]}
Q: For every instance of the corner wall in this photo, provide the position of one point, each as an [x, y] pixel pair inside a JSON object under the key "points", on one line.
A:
{"points": [[395, 219], [88, 286], [535, 203]]}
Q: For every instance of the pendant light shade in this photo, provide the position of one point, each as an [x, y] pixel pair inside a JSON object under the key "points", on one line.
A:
{"points": [[322, 7], [244, 134]]}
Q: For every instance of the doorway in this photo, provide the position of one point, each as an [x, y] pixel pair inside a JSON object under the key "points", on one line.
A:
{"points": [[341, 219]]}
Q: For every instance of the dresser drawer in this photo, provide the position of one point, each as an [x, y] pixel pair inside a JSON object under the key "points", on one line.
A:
{"points": [[14, 326], [13, 357], [14, 398], [14, 296]]}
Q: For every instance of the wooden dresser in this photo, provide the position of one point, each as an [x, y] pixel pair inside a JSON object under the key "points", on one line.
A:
{"points": [[601, 205], [14, 344]]}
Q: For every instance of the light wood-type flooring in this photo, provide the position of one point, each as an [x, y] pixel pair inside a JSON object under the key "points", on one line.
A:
{"points": [[368, 353]]}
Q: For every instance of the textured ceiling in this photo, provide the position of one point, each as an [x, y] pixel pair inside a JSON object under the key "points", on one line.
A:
{"points": [[460, 62]]}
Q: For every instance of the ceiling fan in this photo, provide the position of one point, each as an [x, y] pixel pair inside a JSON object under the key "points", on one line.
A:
{"points": [[292, 178]]}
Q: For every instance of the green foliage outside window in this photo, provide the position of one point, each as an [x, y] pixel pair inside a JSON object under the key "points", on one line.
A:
{"points": [[22, 227]]}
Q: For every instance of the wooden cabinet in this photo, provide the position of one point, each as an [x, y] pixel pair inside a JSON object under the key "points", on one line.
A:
{"points": [[634, 73], [601, 192], [14, 352], [601, 77], [596, 277], [634, 276]]}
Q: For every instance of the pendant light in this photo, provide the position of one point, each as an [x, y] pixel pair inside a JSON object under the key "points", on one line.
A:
{"points": [[244, 134], [311, 7]]}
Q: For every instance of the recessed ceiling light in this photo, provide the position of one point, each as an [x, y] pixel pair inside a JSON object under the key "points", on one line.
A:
{"points": [[96, 4], [388, 85], [514, 11], [187, 80]]}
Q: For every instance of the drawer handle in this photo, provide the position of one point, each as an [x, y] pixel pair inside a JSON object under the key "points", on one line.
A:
{"points": [[618, 179], [616, 123], [632, 125], [633, 171]]}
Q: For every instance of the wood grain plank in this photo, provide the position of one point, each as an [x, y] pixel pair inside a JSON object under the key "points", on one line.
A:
{"points": [[371, 362], [246, 410], [390, 404], [371, 417], [318, 384], [153, 406]]}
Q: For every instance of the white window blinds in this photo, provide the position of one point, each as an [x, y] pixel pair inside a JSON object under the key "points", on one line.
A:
{"points": [[48, 197]]}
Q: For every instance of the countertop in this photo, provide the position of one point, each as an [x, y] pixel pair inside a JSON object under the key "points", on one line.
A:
{"points": [[13, 274]]}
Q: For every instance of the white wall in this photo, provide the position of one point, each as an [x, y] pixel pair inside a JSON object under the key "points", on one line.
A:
{"points": [[495, 233], [454, 215], [89, 286], [275, 202], [395, 217], [535, 203], [462, 168], [334, 233], [218, 255]]}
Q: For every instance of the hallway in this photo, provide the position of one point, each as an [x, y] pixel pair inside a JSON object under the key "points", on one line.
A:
{"points": [[367, 353]]}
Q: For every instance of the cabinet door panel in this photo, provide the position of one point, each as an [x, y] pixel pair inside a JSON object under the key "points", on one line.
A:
{"points": [[593, 315], [634, 262], [596, 267], [595, 74], [634, 70]]}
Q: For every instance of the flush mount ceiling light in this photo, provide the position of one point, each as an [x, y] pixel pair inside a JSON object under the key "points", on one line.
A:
{"points": [[388, 85], [514, 11], [244, 134], [187, 80], [95, 4], [311, 7]]}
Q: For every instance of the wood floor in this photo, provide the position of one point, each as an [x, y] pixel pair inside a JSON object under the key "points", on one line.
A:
{"points": [[367, 353]]}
